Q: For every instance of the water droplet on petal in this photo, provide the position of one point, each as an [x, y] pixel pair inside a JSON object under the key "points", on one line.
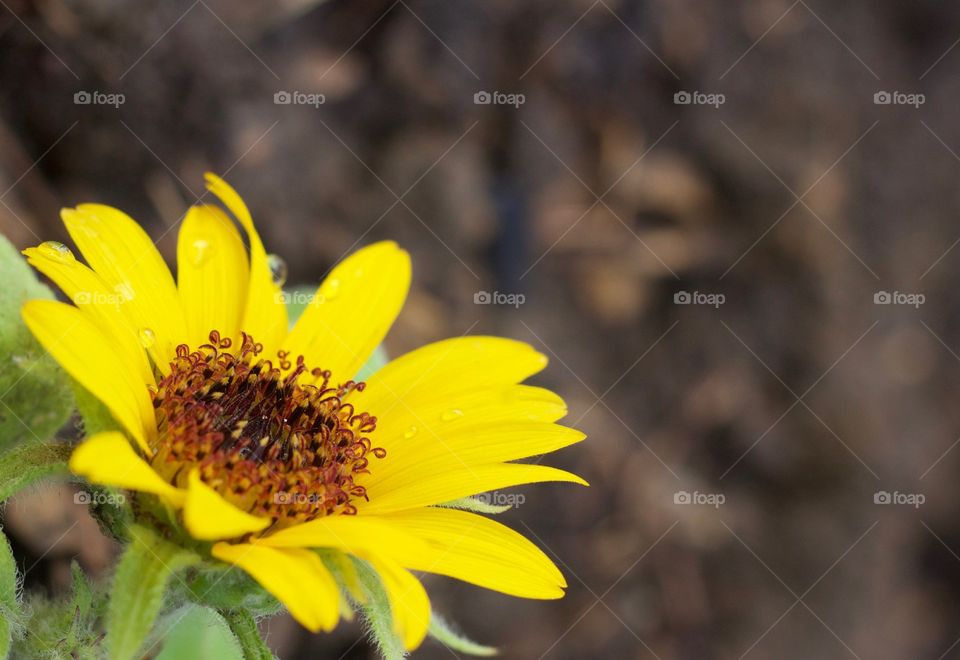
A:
{"points": [[412, 431], [200, 251], [330, 289], [56, 251], [124, 292], [278, 269], [147, 337], [451, 415]]}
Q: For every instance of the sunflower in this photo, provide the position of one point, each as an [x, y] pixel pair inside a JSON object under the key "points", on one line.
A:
{"points": [[256, 439]]}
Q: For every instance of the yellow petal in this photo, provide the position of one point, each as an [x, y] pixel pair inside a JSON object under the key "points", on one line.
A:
{"points": [[462, 443], [449, 367], [478, 550], [351, 534], [126, 259], [409, 605], [352, 310], [99, 302], [447, 486], [265, 313], [212, 274], [88, 355], [209, 517], [109, 460], [297, 578], [403, 427]]}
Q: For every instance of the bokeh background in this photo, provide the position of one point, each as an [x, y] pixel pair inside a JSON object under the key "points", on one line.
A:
{"points": [[784, 411]]}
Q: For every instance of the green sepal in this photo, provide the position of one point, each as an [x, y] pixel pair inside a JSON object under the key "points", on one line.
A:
{"points": [[376, 613], [35, 399], [226, 588], [22, 466], [477, 505], [441, 631], [137, 594]]}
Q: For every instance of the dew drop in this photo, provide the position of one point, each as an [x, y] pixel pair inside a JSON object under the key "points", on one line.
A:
{"points": [[278, 269], [200, 251], [412, 431], [451, 415], [147, 337], [56, 251]]}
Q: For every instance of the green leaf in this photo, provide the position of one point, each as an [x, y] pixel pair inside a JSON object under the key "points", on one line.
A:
{"points": [[376, 613], [196, 631], [441, 631], [477, 505], [244, 627], [22, 466], [138, 588], [9, 603], [35, 398]]}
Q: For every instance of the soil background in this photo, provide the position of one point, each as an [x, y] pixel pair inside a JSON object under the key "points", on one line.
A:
{"points": [[786, 402]]}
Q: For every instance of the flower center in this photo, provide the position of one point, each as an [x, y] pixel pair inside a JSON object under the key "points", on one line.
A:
{"points": [[270, 444]]}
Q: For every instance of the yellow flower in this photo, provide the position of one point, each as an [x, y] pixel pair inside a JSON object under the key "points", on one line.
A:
{"points": [[256, 438]]}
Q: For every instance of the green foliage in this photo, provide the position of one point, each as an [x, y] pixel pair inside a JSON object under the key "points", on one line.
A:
{"points": [[22, 466], [244, 626], [194, 631], [64, 628], [9, 603], [138, 589], [35, 397]]}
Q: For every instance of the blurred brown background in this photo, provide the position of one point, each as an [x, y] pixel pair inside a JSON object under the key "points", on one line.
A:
{"points": [[799, 199]]}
